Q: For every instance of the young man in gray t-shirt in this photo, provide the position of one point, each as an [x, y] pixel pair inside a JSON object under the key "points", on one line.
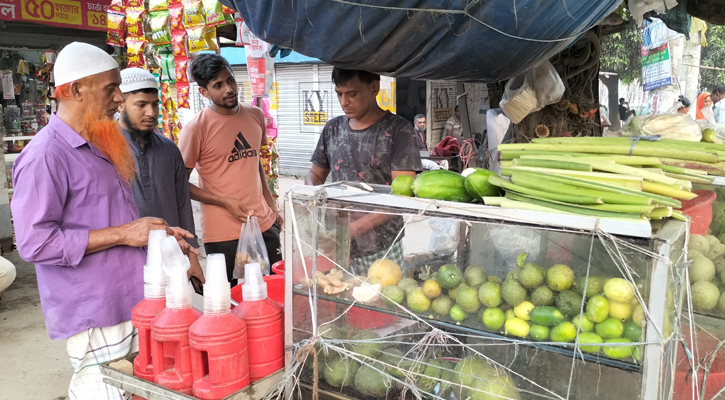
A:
{"points": [[371, 145]]}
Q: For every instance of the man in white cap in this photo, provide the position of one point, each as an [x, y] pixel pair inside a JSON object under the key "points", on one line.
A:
{"points": [[160, 185], [76, 220]]}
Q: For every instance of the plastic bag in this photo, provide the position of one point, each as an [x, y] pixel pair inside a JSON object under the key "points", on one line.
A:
{"points": [[444, 240], [251, 249], [669, 126], [531, 92], [547, 84]]}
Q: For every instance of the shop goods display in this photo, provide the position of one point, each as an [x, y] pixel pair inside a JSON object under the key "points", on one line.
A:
{"points": [[513, 303]]}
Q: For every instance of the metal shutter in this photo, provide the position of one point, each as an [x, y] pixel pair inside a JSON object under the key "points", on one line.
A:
{"points": [[296, 142], [441, 101]]}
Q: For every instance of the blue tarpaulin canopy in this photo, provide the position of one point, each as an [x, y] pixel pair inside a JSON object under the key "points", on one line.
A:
{"points": [[458, 40]]}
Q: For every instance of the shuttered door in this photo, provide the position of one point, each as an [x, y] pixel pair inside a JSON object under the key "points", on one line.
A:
{"points": [[296, 141], [242, 77], [440, 105]]}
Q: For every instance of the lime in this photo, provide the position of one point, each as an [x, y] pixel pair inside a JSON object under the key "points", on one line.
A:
{"points": [[594, 285], [467, 298], [610, 328], [618, 352], [542, 296], [589, 338], [517, 327], [569, 302], [531, 276], [523, 309], [583, 323], [510, 314], [565, 332], [490, 294], [620, 310], [475, 276], [512, 292], [494, 279], [702, 269], [393, 295], [494, 318], [699, 243], [402, 185], [431, 289], [457, 314], [417, 302], [597, 309], [453, 293], [441, 305], [407, 283], [618, 289], [636, 351], [449, 276], [709, 136], [559, 277], [705, 295], [638, 315], [539, 332], [632, 331]]}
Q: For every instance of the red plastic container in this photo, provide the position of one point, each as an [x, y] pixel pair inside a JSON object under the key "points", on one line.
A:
{"points": [[141, 316], [171, 327], [219, 358], [265, 336], [275, 288], [278, 267], [699, 210], [684, 379]]}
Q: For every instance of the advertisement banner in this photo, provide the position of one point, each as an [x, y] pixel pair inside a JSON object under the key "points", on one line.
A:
{"points": [[257, 73], [78, 14], [656, 67]]}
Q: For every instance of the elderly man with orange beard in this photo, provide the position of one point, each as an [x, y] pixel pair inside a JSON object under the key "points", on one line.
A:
{"points": [[76, 220]]}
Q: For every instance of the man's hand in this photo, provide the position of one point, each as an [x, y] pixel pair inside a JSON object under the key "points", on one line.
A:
{"points": [[136, 233], [280, 220], [195, 269], [237, 209], [180, 234]]}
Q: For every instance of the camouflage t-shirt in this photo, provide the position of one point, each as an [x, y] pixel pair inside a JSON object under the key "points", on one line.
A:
{"points": [[369, 155]]}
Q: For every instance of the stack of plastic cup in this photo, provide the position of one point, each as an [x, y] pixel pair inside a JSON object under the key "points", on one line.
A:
{"points": [[178, 287], [254, 287], [154, 277], [217, 293]]}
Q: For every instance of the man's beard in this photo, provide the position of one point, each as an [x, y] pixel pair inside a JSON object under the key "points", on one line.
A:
{"points": [[104, 133], [137, 135]]}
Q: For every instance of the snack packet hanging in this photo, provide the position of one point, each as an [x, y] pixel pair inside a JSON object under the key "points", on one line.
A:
{"points": [[134, 21], [194, 14], [181, 71], [168, 72], [197, 41], [160, 28], [227, 11], [117, 6], [165, 93], [179, 44], [210, 38], [129, 4], [177, 17], [158, 5], [182, 95], [116, 29], [213, 12], [134, 51], [153, 60]]}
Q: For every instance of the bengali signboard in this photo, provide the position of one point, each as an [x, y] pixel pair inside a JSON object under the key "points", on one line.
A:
{"points": [[78, 14], [656, 67]]}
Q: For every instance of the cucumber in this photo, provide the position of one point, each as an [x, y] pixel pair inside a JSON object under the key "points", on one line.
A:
{"points": [[477, 184], [441, 184], [546, 316]]}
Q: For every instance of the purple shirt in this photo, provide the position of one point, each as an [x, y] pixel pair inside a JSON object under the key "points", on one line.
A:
{"points": [[65, 188]]}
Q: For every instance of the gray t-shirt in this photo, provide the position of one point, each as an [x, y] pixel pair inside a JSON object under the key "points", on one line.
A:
{"points": [[369, 155]]}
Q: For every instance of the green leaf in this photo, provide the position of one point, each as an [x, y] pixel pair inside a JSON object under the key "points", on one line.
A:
{"points": [[521, 259]]}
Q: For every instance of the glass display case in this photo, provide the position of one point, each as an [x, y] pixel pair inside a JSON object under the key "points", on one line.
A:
{"points": [[449, 300]]}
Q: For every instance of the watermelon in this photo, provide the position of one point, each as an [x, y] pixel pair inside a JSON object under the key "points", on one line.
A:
{"points": [[441, 184], [477, 185]]}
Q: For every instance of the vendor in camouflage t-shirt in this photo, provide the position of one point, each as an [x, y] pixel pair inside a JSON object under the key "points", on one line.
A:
{"points": [[369, 145]]}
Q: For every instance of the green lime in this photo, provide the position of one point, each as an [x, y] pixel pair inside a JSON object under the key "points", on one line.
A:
{"points": [[490, 294], [512, 292], [610, 328], [467, 298], [494, 318], [619, 289], [453, 293], [539, 333], [442, 305], [542, 296], [457, 314], [569, 302], [594, 285], [559, 277], [475, 276], [417, 302], [393, 295], [632, 331], [407, 283], [449, 276], [517, 327], [583, 323], [510, 314], [589, 338], [402, 185], [531, 276], [564, 332], [597, 309], [618, 352]]}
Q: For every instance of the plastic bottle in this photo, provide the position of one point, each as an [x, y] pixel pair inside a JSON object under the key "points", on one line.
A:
{"points": [[265, 325], [171, 326], [219, 359], [147, 309]]}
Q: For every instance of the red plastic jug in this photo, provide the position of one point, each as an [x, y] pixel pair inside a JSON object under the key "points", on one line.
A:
{"points": [[265, 336], [171, 328], [220, 362], [141, 316]]}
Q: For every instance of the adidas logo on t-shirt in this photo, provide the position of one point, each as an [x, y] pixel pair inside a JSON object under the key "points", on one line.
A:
{"points": [[241, 149]]}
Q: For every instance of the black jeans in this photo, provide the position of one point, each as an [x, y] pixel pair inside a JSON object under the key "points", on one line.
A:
{"points": [[229, 249]]}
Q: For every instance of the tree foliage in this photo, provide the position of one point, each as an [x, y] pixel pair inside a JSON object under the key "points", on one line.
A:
{"points": [[713, 56], [621, 52]]}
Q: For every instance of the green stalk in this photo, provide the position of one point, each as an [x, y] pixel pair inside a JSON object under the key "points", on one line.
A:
{"points": [[568, 198], [623, 149], [520, 205], [661, 212], [665, 143], [712, 169], [629, 182], [692, 178], [572, 209], [552, 164], [507, 163], [623, 208], [492, 200], [664, 190], [624, 160], [542, 183], [511, 154], [656, 199], [625, 170], [680, 217]]}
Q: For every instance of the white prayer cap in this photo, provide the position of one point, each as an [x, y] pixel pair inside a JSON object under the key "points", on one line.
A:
{"points": [[136, 79], [79, 60]]}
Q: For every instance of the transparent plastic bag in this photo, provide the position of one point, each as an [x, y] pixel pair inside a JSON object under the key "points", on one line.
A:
{"points": [[444, 239], [669, 126], [532, 91], [250, 249], [548, 85]]}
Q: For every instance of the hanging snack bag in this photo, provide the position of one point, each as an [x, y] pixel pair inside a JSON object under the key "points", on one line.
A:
{"points": [[153, 60], [134, 21], [182, 95], [177, 17], [117, 6], [181, 74], [193, 14], [116, 29], [168, 72], [134, 51], [165, 93], [197, 41], [227, 11], [210, 38], [158, 5], [160, 28], [213, 12], [133, 4], [178, 40]]}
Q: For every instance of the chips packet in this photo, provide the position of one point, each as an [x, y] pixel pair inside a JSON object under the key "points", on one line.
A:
{"points": [[182, 95], [153, 60], [193, 14], [117, 6], [129, 4], [135, 51], [196, 40], [160, 28], [158, 5], [116, 29], [134, 21], [210, 38], [168, 72], [182, 76], [177, 17], [178, 40], [213, 12], [227, 11]]}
